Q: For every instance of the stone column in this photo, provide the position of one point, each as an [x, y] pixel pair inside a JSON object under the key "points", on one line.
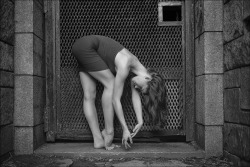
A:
{"points": [[209, 75], [29, 76], [6, 77]]}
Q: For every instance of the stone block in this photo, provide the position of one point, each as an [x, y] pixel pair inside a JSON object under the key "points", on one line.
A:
{"points": [[7, 57], [209, 53], [209, 100], [232, 111], [232, 78], [199, 17], [7, 21], [31, 19], [6, 139], [236, 140], [6, 79], [27, 139], [210, 139], [237, 162], [237, 53], [24, 18], [24, 140], [38, 20], [245, 88], [246, 9], [29, 55], [213, 15], [233, 25], [6, 105], [29, 100]]}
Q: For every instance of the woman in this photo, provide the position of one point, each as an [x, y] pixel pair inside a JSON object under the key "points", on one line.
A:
{"points": [[107, 61]]}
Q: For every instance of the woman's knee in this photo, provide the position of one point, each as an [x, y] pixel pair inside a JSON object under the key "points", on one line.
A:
{"points": [[90, 95]]}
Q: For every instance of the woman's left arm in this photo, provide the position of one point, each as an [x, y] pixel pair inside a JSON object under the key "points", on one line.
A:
{"points": [[136, 100]]}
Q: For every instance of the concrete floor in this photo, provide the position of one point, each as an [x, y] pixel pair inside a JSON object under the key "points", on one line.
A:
{"points": [[166, 150]]}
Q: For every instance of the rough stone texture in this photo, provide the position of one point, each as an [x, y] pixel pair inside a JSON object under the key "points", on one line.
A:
{"points": [[246, 9], [27, 139], [237, 53], [6, 79], [199, 18], [7, 21], [210, 139], [245, 89], [233, 26], [209, 100], [232, 78], [23, 142], [31, 19], [236, 160], [30, 100], [209, 53], [232, 109], [236, 140], [6, 105], [29, 55], [6, 139], [213, 15], [7, 56]]}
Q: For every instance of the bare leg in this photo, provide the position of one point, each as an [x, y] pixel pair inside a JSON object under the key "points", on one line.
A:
{"points": [[107, 79], [89, 89]]}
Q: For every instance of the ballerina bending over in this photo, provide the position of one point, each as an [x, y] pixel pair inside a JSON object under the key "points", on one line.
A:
{"points": [[103, 59]]}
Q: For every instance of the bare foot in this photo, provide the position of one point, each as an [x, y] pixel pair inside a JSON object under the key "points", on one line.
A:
{"points": [[108, 140], [99, 143]]}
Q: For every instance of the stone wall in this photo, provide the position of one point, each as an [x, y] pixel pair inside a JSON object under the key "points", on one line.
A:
{"points": [[29, 76], [209, 75], [236, 32], [6, 77]]}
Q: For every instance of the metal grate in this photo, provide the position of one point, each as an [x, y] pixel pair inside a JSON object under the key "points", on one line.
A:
{"points": [[134, 24]]}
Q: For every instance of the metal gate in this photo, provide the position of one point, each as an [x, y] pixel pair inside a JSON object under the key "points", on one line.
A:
{"points": [[134, 23]]}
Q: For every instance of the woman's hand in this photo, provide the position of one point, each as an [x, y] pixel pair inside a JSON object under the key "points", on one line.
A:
{"points": [[126, 136], [136, 129]]}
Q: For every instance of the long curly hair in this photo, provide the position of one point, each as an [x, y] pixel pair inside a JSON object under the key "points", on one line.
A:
{"points": [[155, 97]]}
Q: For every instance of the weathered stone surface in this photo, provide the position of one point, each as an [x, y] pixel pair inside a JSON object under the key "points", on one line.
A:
{"points": [[245, 88], [6, 105], [232, 78], [7, 21], [39, 136], [237, 53], [210, 139], [233, 26], [209, 53], [232, 111], [6, 79], [24, 18], [24, 137], [213, 15], [38, 20], [237, 162], [24, 54], [246, 9], [24, 114], [38, 99], [7, 57], [209, 100], [6, 139], [29, 55], [38, 57], [199, 17], [236, 140], [29, 100]]}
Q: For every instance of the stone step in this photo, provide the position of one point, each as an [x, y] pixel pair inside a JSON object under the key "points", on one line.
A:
{"points": [[166, 150]]}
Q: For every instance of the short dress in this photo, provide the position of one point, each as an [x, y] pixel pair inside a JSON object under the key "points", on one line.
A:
{"points": [[96, 53]]}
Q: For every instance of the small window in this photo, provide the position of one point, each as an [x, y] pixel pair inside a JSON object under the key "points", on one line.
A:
{"points": [[169, 13]]}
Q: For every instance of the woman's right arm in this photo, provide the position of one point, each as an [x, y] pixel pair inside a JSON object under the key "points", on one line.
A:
{"points": [[120, 78]]}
